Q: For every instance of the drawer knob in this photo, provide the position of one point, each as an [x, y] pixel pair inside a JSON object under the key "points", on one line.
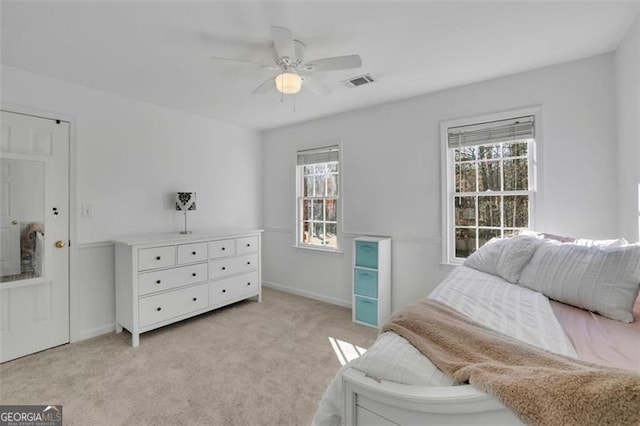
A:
{"points": [[224, 268], [195, 299], [193, 253], [158, 309], [248, 283], [223, 248], [158, 258], [158, 282], [224, 290], [248, 245], [248, 263], [194, 274]]}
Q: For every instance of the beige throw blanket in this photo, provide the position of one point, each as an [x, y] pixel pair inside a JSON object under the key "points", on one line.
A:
{"points": [[541, 388]]}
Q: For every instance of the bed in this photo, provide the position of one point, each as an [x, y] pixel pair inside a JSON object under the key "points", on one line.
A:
{"points": [[577, 298]]}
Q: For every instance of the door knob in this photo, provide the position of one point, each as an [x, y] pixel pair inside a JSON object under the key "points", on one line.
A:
{"points": [[59, 244]]}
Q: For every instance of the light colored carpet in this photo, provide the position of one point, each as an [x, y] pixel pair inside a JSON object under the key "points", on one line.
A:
{"points": [[248, 364]]}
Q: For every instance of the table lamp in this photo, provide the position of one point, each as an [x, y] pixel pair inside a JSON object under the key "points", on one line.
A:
{"points": [[185, 201]]}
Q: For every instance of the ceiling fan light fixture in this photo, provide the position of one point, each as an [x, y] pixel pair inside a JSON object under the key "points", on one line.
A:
{"points": [[288, 83]]}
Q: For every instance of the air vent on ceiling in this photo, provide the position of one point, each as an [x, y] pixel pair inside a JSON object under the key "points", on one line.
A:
{"points": [[360, 80]]}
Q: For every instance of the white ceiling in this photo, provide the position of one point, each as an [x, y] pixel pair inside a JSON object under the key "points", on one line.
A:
{"points": [[160, 52]]}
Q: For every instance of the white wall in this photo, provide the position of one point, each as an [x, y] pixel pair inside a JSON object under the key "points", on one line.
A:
{"points": [[132, 157], [627, 77], [391, 174]]}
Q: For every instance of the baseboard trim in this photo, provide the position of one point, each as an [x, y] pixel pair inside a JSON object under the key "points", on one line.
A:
{"points": [[94, 332], [307, 294]]}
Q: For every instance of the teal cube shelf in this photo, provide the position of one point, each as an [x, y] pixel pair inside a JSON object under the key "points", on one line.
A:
{"points": [[365, 282], [371, 289], [367, 254], [367, 310]]}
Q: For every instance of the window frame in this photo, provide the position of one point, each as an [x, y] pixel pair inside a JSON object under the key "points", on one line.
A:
{"points": [[448, 180], [299, 188]]}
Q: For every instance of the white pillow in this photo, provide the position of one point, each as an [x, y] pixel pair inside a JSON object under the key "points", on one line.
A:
{"points": [[618, 242], [504, 257], [544, 235], [603, 280]]}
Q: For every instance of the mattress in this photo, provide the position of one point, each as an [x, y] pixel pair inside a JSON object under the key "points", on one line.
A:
{"points": [[601, 340]]}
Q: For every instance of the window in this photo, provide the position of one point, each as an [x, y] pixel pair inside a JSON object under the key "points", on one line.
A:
{"points": [[489, 181], [317, 189]]}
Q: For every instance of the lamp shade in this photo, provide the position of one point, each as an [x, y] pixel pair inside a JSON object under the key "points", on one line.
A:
{"points": [[288, 83], [185, 201]]}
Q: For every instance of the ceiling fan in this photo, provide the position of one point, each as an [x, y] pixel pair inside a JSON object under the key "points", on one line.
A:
{"points": [[292, 72]]}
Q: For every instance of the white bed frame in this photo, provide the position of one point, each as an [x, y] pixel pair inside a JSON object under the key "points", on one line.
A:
{"points": [[369, 402]]}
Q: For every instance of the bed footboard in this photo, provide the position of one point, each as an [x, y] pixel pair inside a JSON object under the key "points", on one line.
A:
{"points": [[369, 402]]}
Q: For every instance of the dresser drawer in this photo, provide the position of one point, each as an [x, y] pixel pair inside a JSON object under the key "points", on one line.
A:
{"points": [[366, 310], [172, 304], [190, 253], [233, 287], [156, 257], [221, 248], [367, 254], [151, 282], [235, 265], [365, 282], [246, 245]]}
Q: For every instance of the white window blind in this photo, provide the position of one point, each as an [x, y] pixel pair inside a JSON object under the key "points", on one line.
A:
{"points": [[319, 155], [514, 129]]}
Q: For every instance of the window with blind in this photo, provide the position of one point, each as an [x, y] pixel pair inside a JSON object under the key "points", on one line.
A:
{"points": [[490, 184], [318, 172]]}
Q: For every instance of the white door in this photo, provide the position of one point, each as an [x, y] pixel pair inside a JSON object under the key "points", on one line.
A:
{"points": [[34, 234], [9, 228]]}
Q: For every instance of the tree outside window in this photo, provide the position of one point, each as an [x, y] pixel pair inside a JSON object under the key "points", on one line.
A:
{"points": [[489, 181]]}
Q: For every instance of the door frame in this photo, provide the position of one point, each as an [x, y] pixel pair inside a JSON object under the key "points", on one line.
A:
{"points": [[74, 289]]}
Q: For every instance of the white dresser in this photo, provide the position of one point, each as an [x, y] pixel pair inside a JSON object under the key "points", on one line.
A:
{"points": [[164, 278]]}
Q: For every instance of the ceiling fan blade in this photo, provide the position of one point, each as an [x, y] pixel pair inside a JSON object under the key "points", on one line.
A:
{"points": [[283, 42], [316, 86], [246, 63], [335, 63], [266, 85]]}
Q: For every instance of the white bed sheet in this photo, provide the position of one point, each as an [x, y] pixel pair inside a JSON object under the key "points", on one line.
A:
{"points": [[489, 300]]}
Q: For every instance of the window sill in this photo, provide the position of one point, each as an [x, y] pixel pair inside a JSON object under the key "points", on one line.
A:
{"points": [[450, 264], [319, 250]]}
